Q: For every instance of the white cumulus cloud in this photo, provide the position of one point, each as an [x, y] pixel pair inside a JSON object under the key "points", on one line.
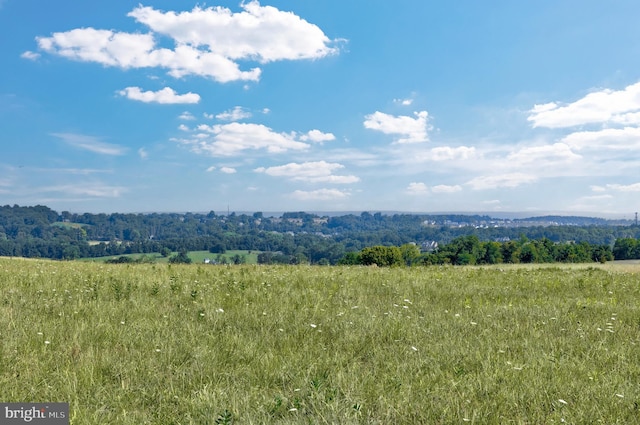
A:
{"points": [[416, 188], [408, 129], [187, 116], [317, 136], [208, 42], [165, 96], [601, 106], [30, 55], [608, 139], [235, 138], [447, 153], [236, 114], [544, 154], [314, 172]]}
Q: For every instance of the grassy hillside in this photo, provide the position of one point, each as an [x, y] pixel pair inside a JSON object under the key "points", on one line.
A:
{"points": [[157, 343]]}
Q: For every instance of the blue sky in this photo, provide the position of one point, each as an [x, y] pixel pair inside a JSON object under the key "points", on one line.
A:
{"points": [[321, 105]]}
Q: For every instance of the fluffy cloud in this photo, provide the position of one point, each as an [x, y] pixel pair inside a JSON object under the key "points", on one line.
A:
{"points": [[208, 42], [422, 189], [236, 114], [103, 46], [447, 153], [90, 143], [319, 195], [620, 106], [317, 136], [612, 133], [30, 55], [409, 129], [313, 172], [228, 170], [416, 188], [627, 138], [545, 154], [235, 138], [186, 116], [165, 96]]}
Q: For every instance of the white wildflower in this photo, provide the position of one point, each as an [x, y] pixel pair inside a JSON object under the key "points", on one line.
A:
{"points": [[562, 401]]}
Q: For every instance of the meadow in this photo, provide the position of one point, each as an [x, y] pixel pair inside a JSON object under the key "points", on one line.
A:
{"points": [[248, 344], [249, 257]]}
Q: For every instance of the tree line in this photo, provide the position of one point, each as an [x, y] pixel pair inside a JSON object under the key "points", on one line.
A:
{"points": [[299, 237], [466, 250]]}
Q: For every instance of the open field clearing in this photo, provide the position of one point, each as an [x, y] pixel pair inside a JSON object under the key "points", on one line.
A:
{"points": [[249, 257], [196, 344]]}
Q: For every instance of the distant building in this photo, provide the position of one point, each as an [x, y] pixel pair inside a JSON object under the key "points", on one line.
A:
{"points": [[429, 246]]}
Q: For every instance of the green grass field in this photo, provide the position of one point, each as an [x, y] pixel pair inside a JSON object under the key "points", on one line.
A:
{"points": [[168, 344], [250, 257]]}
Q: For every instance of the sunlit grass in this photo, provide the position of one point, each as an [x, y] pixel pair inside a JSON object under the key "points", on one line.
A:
{"points": [[134, 344]]}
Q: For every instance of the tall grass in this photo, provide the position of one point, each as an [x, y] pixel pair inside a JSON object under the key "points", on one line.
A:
{"points": [[160, 344]]}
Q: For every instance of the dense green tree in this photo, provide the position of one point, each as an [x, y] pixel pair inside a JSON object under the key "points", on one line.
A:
{"points": [[490, 253], [180, 258], [382, 256], [350, 259]]}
